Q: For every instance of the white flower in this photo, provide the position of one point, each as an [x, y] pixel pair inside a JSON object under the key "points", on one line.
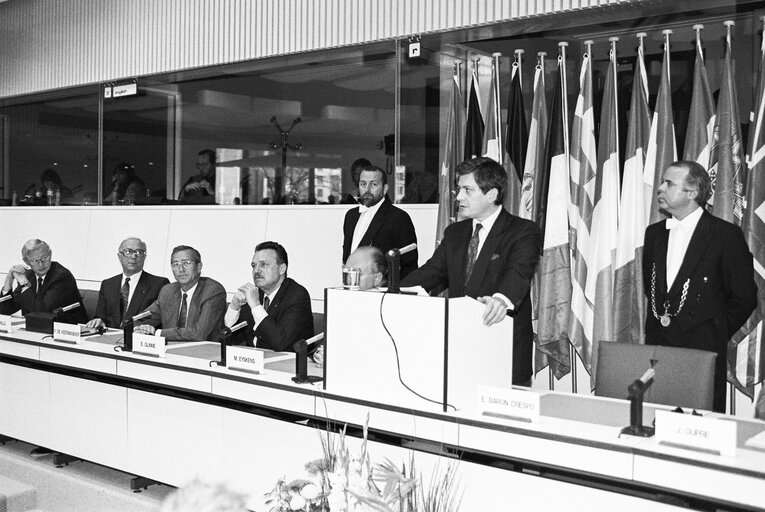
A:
{"points": [[297, 502], [310, 491]]}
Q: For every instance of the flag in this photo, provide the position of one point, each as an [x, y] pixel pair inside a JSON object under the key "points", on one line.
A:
{"points": [[661, 150], [454, 136], [726, 162], [491, 144], [629, 299], [516, 139], [701, 121], [536, 146], [746, 358], [605, 215], [554, 271], [583, 174], [474, 127]]}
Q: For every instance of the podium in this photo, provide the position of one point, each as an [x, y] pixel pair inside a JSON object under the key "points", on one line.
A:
{"points": [[423, 353]]}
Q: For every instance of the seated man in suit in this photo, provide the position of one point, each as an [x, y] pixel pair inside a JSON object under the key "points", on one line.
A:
{"points": [[42, 288], [372, 265], [276, 308], [490, 256], [192, 307], [127, 294], [377, 222]]}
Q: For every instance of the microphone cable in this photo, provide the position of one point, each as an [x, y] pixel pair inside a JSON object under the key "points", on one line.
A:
{"points": [[398, 361]]}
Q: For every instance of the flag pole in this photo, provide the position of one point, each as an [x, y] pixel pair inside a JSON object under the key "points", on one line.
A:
{"points": [[731, 389], [616, 98], [498, 118], [519, 60], [698, 28]]}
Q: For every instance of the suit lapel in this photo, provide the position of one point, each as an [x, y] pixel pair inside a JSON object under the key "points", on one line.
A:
{"points": [[662, 242], [138, 292], [489, 248], [377, 222], [696, 249], [278, 298]]}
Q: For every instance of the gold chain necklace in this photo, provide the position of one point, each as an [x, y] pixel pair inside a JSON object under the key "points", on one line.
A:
{"points": [[666, 318]]}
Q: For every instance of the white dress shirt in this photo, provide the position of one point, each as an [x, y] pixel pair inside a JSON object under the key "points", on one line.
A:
{"points": [[365, 219], [189, 294], [258, 312], [133, 283], [680, 233]]}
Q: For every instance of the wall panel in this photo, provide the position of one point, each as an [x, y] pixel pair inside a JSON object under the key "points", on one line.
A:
{"points": [[51, 44]]}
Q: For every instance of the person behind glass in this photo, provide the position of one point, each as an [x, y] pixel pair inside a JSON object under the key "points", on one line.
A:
{"points": [[126, 186], [490, 256], [276, 308], [189, 309], [697, 272], [376, 221], [201, 184], [355, 171], [127, 294], [372, 265], [42, 288], [50, 181]]}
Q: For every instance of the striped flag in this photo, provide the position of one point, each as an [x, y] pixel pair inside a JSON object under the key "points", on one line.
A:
{"points": [[605, 215], [554, 266], [454, 136], [474, 127], [491, 145], [701, 121], [629, 299], [726, 162], [516, 137], [662, 150], [746, 357], [536, 147], [583, 174]]}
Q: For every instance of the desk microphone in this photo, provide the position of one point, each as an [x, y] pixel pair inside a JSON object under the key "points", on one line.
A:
{"points": [[227, 332], [7, 297], [636, 390], [641, 385], [64, 309], [127, 330], [394, 263]]}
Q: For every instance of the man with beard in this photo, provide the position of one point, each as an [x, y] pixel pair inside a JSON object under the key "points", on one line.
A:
{"points": [[377, 222], [276, 308]]}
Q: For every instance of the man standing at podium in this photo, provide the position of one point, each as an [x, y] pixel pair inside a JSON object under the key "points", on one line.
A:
{"points": [[276, 308], [127, 294], [490, 256], [697, 272], [377, 222]]}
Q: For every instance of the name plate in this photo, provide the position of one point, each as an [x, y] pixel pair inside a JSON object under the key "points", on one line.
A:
{"points": [[6, 324], [508, 403], [246, 359], [69, 333], [696, 432], [149, 344]]}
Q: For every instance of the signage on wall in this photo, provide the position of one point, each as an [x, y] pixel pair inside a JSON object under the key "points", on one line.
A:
{"points": [[114, 90]]}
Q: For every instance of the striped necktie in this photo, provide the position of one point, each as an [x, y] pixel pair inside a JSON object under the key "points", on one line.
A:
{"points": [[182, 314], [472, 252]]}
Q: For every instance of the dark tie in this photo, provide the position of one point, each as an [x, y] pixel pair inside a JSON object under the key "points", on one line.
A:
{"points": [[182, 315], [124, 295], [472, 252], [38, 292], [266, 302]]}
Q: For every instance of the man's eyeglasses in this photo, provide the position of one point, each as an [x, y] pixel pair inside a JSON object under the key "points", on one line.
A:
{"points": [[185, 264], [41, 260], [138, 253]]}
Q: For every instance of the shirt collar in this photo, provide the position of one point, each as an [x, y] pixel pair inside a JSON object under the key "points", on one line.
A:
{"points": [[134, 278], [372, 209], [688, 223], [489, 221]]}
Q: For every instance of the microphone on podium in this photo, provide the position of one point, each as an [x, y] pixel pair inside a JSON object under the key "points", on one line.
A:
{"points": [[636, 391], [227, 332], [7, 297], [64, 309], [127, 330], [394, 263]]}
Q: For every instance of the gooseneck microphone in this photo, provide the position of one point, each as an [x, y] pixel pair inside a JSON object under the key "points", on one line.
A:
{"points": [[127, 330], [635, 391], [394, 263], [227, 332]]}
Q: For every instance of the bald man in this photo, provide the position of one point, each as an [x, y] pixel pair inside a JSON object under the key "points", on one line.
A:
{"points": [[130, 292], [372, 265]]}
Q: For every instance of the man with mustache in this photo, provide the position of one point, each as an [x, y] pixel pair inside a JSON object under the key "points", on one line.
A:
{"points": [[377, 222], [697, 272], [276, 308]]}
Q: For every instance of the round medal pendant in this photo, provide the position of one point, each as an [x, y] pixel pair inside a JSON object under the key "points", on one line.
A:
{"points": [[665, 320]]}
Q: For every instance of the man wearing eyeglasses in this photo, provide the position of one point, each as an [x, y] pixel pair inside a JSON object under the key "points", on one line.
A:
{"points": [[201, 184], [43, 287], [127, 294], [191, 308]]}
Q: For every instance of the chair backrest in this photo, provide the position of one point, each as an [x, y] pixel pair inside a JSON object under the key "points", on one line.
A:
{"points": [[89, 300], [319, 323], [684, 377]]}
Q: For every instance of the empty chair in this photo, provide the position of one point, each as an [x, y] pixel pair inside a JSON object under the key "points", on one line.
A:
{"points": [[684, 377]]}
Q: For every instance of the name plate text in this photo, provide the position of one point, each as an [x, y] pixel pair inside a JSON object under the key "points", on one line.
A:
{"points": [[508, 403], [149, 344], [696, 432], [6, 324], [246, 359], [69, 333]]}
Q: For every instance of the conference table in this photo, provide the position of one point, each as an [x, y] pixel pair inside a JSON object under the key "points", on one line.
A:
{"points": [[176, 418]]}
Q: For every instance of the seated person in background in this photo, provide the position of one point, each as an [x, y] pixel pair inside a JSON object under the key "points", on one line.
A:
{"points": [[373, 266], [353, 196], [43, 288], [50, 180], [203, 183], [125, 185], [192, 307], [276, 308], [127, 294]]}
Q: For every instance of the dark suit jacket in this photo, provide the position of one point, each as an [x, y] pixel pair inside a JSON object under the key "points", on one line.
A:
{"points": [[204, 320], [391, 228], [59, 289], [145, 292], [505, 265], [721, 291], [289, 320]]}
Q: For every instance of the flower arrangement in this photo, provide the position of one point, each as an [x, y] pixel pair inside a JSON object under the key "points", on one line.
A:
{"points": [[345, 482]]}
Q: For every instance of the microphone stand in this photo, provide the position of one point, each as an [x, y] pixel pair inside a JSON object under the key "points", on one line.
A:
{"points": [[636, 391], [127, 330], [225, 339], [394, 267]]}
